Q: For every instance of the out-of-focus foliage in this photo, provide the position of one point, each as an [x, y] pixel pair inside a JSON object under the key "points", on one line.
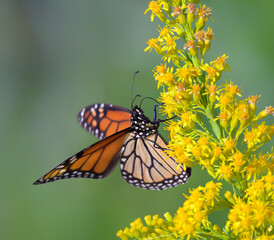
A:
{"points": [[59, 56]]}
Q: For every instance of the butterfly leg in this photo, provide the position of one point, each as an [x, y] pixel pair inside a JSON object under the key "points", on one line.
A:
{"points": [[155, 111], [165, 120]]}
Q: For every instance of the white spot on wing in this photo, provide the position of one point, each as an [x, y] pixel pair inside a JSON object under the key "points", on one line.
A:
{"points": [[96, 132]]}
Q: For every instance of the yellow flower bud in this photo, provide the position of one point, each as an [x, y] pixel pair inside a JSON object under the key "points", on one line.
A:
{"points": [[264, 113], [203, 13], [199, 35], [182, 19], [233, 123], [224, 119], [252, 103], [191, 10], [162, 17], [190, 18], [266, 138], [196, 88], [122, 235], [193, 51], [206, 46], [200, 24], [208, 37], [176, 62], [211, 170], [148, 220], [190, 45], [168, 217]]}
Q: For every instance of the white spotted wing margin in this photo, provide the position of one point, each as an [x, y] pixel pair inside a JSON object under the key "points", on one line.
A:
{"points": [[146, 165], [103, 120]]}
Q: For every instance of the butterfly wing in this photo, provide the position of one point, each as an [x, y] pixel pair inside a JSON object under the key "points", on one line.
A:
{"points": [[103, 120], [95, 161], [148, 166]]}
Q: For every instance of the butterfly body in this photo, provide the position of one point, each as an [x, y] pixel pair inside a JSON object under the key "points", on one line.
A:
{"points": [[141, 125], [128, 137]]}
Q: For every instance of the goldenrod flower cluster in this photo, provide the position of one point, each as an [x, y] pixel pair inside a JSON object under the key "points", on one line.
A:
{"points": [[214, 127], [155, 227]]}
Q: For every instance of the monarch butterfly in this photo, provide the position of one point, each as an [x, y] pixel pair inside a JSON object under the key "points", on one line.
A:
{"points": [[127, 136]]}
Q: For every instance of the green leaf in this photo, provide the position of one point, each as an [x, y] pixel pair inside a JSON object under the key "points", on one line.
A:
{"points": [[214, 125]]}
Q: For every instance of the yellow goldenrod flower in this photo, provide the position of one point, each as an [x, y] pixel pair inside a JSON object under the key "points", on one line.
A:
{"points": [[211, 73], [252, 100], [211, 191], [267, 111], [232, 90], [166, 78], [220, 63], [237, 161], [265, 237], [209, 36], [224, 118], [153, 44], [191, 91], [251, 137], [255, 189], [165, 32], [200, 37], [204, 13], [187, 120], [169, 44], [160, 69], [190, 46], [225, 172], [191, 12], [196, 92], [181, 155], [183, 74], [155, 9], [229, 144], [177, 10]]}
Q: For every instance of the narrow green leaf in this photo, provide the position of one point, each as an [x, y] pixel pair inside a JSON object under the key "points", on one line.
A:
{"points": [[214, 125]]}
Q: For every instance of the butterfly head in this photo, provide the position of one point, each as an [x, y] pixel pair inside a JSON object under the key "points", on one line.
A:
{"points": [[142, 126]]}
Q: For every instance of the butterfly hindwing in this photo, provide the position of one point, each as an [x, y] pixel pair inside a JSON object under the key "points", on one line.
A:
{"points": [[146, 165], [95, 161], [103, 120]]}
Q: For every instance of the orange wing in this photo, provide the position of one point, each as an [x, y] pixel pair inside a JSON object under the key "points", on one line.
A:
{"points": [[103, 120], [95, 161]]}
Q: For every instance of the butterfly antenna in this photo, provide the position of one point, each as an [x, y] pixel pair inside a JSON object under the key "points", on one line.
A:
{"points": [[132, 89], [151, 99]]}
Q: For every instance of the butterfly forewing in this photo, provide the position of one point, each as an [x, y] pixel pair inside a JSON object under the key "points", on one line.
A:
{"points": [[145, 164], [95, 161], [103, 120]]}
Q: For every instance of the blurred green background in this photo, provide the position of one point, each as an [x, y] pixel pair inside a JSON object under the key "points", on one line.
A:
{"points": [[57, 56]]}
